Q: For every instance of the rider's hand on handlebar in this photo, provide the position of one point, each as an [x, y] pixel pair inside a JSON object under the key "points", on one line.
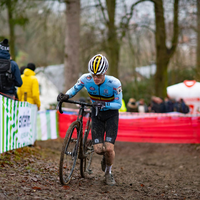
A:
{"points": [[99, 104], [62, 97]]}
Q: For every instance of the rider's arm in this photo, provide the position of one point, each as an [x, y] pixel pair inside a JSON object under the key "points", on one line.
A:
{"points": [[117, 102], [76, 88]]}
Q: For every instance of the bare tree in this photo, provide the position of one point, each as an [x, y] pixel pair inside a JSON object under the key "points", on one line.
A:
{"points": [[114, 34], [198, 42], [16, 16], [71, 59], [112, 40], [112, 47], [164, 53]]}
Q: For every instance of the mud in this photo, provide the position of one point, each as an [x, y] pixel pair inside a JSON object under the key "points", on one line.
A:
{"points": [[141, 170]]}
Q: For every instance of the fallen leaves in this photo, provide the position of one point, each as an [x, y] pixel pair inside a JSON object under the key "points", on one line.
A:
{"points": [[36, 188], [66, 187]]}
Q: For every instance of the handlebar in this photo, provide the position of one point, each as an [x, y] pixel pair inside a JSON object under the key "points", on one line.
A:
{"points": [[59, 106]]}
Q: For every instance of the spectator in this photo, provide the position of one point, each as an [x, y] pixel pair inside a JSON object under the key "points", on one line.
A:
{"points": [[131, 106], [22, 68], [157, 105], [29, 91], [142, 107], [9, 73], [123, 108], [149, 107], [169, 104], [180, 106]]}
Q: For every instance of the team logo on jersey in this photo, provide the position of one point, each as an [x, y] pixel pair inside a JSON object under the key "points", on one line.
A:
{"points": [[88, 77], [92, 88], [109, 81], [119, 89], [105, 91], [117, 98]]}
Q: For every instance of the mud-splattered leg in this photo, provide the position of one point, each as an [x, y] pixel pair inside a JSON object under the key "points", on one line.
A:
{"points": [[99, 148]]}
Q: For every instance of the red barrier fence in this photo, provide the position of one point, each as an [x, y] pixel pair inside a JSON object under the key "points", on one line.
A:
{"points": [[155, 128]]}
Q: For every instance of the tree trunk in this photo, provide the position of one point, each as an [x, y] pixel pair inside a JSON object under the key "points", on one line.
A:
{"points": [[71, 59], [113, 43], [163, 54], [198, 43], [11, 29], [161, 59]]}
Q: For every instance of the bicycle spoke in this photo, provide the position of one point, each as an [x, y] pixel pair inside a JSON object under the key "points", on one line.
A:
{"points": [[69, 153]]}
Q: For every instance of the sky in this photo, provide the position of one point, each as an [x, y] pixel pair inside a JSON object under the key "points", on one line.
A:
{"points": [[145, 8]]}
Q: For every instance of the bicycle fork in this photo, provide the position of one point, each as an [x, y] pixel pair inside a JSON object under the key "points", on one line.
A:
{"points": [[75, 149]]}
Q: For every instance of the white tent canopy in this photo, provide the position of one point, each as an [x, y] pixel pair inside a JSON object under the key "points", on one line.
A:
{"points": [[189, 91]]}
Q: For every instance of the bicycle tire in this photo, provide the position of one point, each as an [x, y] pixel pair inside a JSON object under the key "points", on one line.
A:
{"points": [[69, 153], [87, 148]]}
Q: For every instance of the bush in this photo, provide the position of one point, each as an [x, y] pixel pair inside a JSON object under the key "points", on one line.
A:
{"points": [[138, 90]]}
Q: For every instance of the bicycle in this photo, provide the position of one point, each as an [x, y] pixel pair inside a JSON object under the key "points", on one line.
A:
{"points": [[76, 145]]}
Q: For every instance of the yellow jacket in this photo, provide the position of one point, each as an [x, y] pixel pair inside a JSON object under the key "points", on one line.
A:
{"points": [[123, 107], [31, 87]]}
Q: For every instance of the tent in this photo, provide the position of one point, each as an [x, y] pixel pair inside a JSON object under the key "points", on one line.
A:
{"points": [[189, 91]]}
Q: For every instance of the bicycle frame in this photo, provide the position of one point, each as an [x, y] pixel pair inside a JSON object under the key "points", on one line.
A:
{"points": [[80, 120], [81, 149], [80, 134]]}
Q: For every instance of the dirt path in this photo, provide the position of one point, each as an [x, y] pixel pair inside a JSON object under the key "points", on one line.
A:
{"points": [[141, 170]]}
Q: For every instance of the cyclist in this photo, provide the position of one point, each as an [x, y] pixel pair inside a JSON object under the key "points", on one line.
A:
{"points": [[106, 94]]}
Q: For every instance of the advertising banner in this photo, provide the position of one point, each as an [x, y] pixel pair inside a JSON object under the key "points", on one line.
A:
{"points": [[17, 124], [47, 125]]}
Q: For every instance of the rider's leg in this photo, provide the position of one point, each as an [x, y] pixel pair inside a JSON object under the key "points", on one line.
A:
{"points": [[109, 156], [109, 153], [99, 148]]}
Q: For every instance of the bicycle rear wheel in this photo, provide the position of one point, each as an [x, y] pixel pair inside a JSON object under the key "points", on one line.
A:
{"points": [[69, 153], [85, 164]]}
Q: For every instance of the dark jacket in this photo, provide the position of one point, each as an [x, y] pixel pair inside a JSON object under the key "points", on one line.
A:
{"points": [[158, 107], [15, 71], [180, 106]]}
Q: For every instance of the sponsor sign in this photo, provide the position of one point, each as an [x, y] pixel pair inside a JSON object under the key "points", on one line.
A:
{"points": [[18, 124]]}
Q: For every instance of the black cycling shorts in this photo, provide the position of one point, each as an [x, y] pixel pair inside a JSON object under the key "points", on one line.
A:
{"points": [[105, 122]]}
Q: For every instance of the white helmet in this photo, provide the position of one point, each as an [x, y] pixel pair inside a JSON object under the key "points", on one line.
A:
{"points": [[98, 64]]}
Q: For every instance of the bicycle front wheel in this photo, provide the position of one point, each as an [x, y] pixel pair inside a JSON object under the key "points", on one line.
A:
{"points": [[85, 165], [69, 153]]}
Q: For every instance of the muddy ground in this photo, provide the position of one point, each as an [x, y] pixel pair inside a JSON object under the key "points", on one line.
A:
{"points": [[141, 170]]}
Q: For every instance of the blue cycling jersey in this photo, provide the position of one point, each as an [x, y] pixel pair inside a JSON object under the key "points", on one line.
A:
{"points": [[110, 91]]}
